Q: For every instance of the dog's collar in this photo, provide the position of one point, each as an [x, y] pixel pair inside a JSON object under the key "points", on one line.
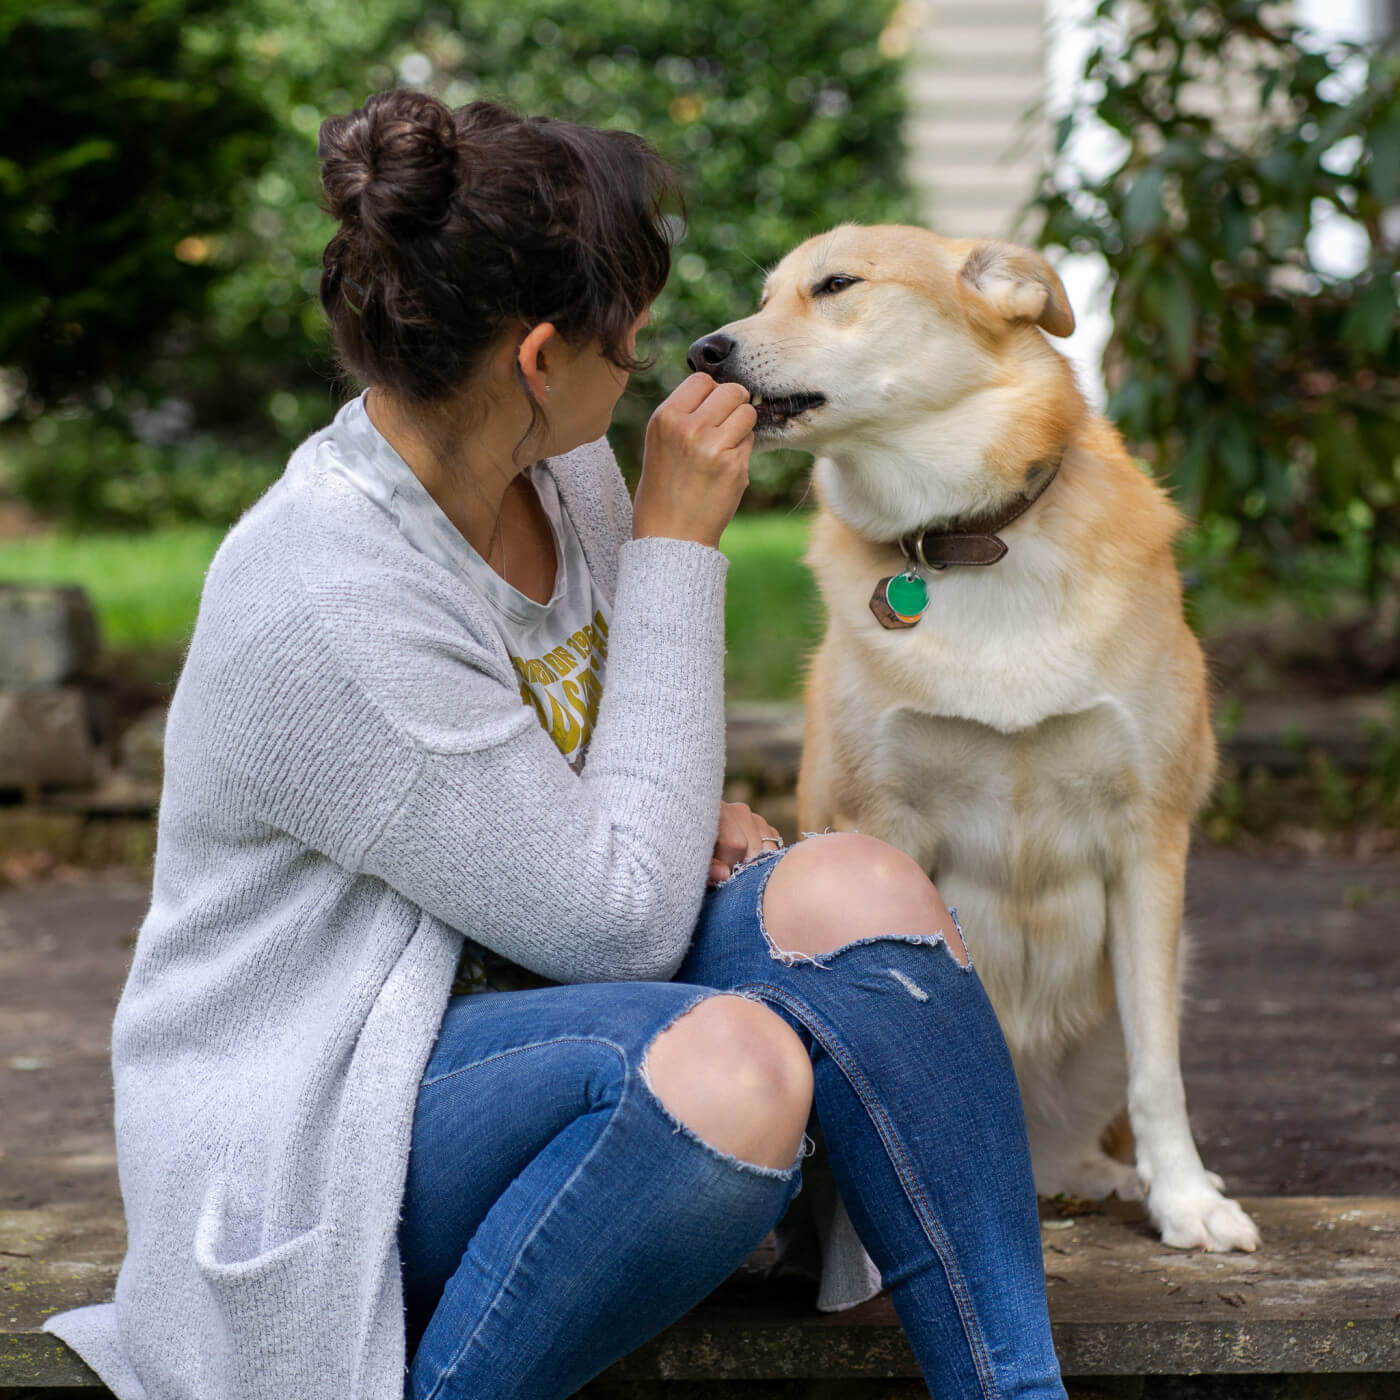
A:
{"points": [[977, 541]]}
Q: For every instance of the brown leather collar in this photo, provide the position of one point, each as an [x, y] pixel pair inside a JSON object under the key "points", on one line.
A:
{"points": [[977, 541]]}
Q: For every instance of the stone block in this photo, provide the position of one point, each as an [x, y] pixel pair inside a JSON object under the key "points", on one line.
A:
{"points": [[46, 738], [142, 746], [48, 634]]}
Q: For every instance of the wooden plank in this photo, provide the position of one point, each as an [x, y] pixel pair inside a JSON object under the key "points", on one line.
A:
{"points": [[950, 83], [1020, 38]]}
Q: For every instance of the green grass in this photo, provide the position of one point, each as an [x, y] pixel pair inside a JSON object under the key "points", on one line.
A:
{"points": [[145, 587], [773, 613]]}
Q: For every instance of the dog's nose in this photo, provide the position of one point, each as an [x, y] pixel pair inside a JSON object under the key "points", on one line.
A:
{"points": [[709, 351]]}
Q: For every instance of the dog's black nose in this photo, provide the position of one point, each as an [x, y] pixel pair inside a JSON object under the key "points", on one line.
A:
{"points": [[709, 351]]}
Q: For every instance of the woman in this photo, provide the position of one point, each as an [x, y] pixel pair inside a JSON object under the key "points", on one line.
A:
{"points": [[454, 703]]}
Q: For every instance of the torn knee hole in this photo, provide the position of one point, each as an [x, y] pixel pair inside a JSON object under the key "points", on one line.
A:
{"points": [[702, 999], [809, 907], [732, 1121]]}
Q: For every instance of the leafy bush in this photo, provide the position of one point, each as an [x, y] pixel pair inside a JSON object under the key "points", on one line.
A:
{"points": [[1266, 391], [127, 133], [782, 119], [88, 472]]}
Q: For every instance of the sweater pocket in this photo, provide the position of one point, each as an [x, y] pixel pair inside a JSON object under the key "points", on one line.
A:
{"points": [[268, 1302]]}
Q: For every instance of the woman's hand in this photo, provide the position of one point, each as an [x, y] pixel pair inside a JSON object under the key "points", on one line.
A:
{"points": [[741, 830], [695, 463]]}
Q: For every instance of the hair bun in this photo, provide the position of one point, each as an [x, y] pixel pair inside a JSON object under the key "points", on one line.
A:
{"points": [[391, 165]]}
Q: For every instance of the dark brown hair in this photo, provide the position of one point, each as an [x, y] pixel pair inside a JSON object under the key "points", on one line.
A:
{"points": [[457, 223]]}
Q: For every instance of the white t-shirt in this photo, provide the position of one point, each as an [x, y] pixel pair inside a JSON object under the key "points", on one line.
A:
{"points": [[559, 649]]}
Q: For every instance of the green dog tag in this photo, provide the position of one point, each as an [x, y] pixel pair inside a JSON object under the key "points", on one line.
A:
{"points": [[899, 600]]}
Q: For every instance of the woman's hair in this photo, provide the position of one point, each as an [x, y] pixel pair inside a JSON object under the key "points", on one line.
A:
{"points": [[457, 223]]}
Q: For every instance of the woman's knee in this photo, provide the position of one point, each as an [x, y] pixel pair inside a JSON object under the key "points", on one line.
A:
{"points": [[834, 888], [737, 1074]]}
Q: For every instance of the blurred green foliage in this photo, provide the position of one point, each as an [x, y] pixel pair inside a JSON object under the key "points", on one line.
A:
{"points": [[1263, 389], [129, 127], [781, 119]]}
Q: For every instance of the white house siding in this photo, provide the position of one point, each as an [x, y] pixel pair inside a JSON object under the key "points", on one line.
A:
{"points": [[974, 68]]}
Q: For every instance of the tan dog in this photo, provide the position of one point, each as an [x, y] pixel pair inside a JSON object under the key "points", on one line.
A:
{"points": [[1040, 739]]}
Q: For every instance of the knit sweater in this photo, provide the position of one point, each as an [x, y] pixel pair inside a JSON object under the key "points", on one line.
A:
{"points": [[558, 648], [352, 785]]}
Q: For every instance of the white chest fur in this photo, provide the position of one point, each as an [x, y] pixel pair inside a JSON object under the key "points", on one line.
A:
{"points": [[1021, 832]]}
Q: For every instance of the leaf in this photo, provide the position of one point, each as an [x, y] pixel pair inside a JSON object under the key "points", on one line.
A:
{"points": [[1143, 213], [1236, 227], [1266, 90], [95, 148], [1237, 453], [1283, 231], [1179, 320], [1385, 161], [1370, 321], [1190, 466], [1063, 128]]}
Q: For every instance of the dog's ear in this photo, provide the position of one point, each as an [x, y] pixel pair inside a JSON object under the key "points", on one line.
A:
{"points": [[1019, 285]]}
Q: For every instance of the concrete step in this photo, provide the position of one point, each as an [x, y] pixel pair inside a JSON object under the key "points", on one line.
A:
{"points": [[1313, 1313]]}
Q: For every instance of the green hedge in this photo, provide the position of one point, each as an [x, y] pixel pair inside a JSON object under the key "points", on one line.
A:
{"points": [[129, 127]]}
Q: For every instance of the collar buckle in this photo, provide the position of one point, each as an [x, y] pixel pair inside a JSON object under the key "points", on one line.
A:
{"points": [[918, 538]]}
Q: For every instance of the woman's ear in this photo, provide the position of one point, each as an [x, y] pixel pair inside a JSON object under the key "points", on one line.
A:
{"points": [[530, 357], [1019, 285]]}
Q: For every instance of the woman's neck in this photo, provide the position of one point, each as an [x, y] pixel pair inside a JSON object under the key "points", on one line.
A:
{"points": [[481, 497]]}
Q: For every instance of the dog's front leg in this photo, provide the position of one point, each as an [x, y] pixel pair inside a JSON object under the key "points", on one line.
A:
{"points": [[1145, 907]]}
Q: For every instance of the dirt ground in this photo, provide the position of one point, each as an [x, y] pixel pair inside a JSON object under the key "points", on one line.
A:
{"points": [[1290, 1046]]}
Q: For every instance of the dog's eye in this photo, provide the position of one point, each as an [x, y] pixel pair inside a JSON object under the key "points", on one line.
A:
{"points": [[831, 284]]}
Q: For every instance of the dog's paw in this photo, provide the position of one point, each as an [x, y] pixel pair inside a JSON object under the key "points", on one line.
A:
{"points": [[1199, 1217], [1092, 1179]]}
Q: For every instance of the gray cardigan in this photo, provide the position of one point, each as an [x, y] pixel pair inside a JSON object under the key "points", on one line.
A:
{"points": [[352, 785]]}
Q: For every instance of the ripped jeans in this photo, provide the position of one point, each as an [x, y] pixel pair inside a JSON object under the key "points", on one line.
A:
{"points": [[557, 1215]]}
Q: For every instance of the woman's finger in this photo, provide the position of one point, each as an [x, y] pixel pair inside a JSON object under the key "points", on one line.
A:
{"points": [[719, 404], [756, 829], [691, 392], [762, 845], [738, 426]]}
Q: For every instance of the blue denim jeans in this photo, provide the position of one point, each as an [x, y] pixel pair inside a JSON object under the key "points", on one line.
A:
{"points": [[557, 1215]]}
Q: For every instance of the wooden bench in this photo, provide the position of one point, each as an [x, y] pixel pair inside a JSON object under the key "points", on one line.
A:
{"points": [[1315, 1313]]}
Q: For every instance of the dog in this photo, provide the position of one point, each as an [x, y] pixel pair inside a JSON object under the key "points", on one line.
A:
{"points": [[1007, 688]]}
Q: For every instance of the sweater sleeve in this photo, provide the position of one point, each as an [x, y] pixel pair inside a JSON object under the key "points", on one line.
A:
{"points": [[590, 876]]}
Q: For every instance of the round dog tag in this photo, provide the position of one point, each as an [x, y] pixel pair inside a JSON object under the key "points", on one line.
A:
{"points": [[899, 600]]}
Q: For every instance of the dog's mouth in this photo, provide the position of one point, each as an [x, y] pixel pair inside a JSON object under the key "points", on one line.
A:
{"points": [[778, 410]]}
